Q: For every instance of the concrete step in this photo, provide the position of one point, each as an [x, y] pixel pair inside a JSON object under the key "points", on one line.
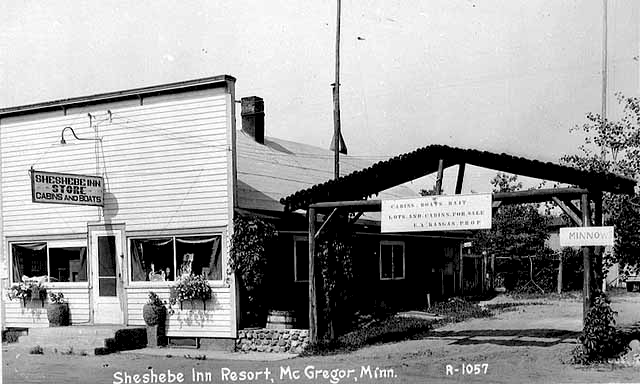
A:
{"points": [[84, 340]]}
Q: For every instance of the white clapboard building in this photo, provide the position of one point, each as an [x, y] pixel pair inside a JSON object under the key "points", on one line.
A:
{"points": [[93, 188]]}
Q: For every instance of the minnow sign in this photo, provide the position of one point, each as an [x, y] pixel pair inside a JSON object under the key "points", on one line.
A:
{"points": [[64, 188], [586, 236]]}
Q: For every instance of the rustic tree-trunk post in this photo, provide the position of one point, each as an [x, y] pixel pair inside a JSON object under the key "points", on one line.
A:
{"points": [[313, 309], [493, 271], [439, 177], [460, 178], [586, 258], [560, 274], [599, 277]]}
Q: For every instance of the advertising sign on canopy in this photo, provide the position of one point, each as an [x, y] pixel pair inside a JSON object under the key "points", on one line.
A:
{"points": [[437, 213]]}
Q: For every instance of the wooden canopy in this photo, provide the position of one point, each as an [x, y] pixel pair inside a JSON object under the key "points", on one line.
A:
{"points": [[426, 160], [348, 192]]}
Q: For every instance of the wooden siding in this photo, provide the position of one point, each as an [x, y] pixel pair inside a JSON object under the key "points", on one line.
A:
{"points": [[193, 320], [34, 315], [166, 168], [164, 165]]}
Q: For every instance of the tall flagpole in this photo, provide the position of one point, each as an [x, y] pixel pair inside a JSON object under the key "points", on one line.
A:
{"points": [[336, 100], [604, 69]]}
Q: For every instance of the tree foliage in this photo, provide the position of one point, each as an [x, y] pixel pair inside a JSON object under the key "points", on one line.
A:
{"points": [[600, 340], [250, 245], [335, 261], [614, 146], [518, 230]]}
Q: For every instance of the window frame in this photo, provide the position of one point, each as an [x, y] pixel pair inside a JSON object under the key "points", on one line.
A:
{"points": [[52, 243], [167, 283], [393, 266], [296, 239]]}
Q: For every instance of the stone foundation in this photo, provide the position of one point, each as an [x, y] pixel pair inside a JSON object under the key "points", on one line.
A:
{"points": [[272, 340]]}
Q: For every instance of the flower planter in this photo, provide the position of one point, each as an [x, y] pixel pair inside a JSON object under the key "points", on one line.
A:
{"points": [[58, 314], [156, 335], [155, 318]]}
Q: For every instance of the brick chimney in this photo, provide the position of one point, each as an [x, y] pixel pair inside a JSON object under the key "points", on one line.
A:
{"points": [[253, 117]]}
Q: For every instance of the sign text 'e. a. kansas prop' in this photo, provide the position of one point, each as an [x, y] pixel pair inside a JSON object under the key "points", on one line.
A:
{"points": [[437, 213]]}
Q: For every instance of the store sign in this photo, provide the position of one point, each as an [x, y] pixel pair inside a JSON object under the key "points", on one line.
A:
{"points": [[63, 188], [586, 236], [437, 213]]}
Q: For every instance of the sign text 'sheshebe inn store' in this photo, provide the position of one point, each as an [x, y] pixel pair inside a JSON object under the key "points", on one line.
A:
{"points": [[141, 195], [60, 188]]}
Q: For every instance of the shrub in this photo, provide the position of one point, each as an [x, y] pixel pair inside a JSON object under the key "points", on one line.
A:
{"points": [[154, 312], [456, 309], [37, 350], [388, 330], [251, 243], [600, 340], [58, 310]]}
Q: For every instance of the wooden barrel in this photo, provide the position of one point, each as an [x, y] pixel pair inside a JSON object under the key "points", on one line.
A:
{"points": [[281, 320]]}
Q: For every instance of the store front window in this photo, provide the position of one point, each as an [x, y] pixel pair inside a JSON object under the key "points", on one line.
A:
{"points": [[59, 261], [166, 258]]}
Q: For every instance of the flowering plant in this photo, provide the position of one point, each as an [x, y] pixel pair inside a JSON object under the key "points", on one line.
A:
{"points": [[57, 298], [27, 290], [190, 287]]}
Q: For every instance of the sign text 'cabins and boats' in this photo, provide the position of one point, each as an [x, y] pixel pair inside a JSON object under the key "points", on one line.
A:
{"points": [[586, 236], [64, 188], [437, 213]]}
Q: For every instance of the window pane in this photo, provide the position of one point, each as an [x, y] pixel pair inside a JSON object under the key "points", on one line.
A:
{"points": [[200, 255], [68, 264], [106, 255], [302, 260], [29, 260], [385, 261], [152, 255], [107, 286], [398, 261]]}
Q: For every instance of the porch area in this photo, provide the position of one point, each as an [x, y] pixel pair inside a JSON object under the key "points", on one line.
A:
{"points": [[83, 340]]}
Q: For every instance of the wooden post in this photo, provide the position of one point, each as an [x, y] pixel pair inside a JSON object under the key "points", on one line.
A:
{"points": [[600, 277], [560, 274], [493, 271], [461, 273], [313, 309], [460, 178], [586, 259], [439, 177], [336, 100]]}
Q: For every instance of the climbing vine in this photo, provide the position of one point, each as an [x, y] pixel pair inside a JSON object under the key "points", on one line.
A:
{"points": [[251, 243], [335, 261]]}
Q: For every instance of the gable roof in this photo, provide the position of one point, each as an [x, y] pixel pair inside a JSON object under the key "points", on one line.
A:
{"points": [[268, 172], [423, 161]]}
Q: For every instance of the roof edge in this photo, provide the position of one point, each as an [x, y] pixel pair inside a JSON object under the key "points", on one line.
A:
{"points": [[118, 95]]}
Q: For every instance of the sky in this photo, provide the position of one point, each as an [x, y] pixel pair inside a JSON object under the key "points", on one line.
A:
{"points": [[503, 76]]}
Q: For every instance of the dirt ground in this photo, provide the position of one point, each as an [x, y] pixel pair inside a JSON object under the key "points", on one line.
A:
{"points": [[524, 345]]}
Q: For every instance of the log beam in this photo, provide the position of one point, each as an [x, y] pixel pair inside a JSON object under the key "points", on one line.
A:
{"points": [[460, 178]]}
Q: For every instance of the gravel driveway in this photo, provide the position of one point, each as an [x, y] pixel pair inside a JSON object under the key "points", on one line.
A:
{"points": [[525, 344]]}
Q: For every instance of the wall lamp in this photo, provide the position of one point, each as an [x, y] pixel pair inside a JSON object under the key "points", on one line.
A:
{"points": [[63, 141]]}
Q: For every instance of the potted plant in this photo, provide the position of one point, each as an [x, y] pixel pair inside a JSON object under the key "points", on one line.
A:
{"points": [[32, 290], [155, 314], [190, 287], [57, 310]]}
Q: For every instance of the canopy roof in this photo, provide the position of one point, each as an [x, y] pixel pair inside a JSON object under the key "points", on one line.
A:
{"points": [[423, 161]]}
